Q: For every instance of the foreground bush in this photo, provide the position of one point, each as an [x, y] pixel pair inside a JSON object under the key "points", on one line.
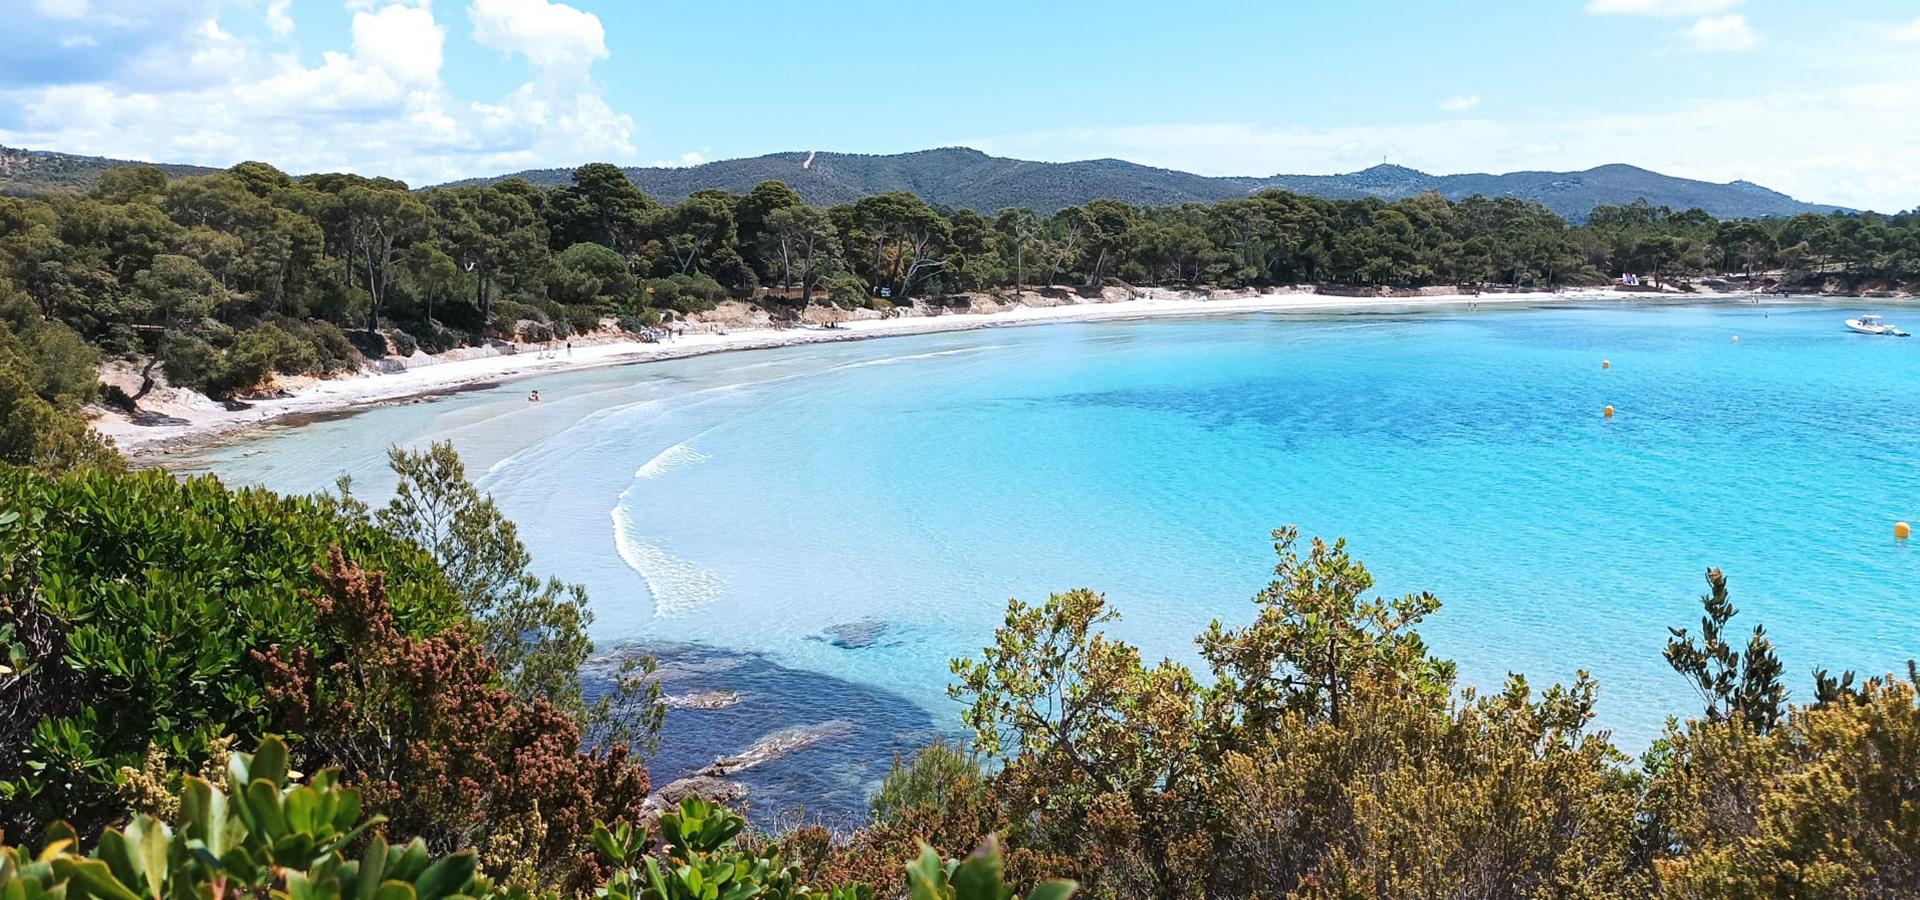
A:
{"points": [[135, 602], [1330, 754], [437, 745], [153, 622], [266, 833]]}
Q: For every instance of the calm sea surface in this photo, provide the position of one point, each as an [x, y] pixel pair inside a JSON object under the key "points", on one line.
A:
{"points": [[859, 513]]}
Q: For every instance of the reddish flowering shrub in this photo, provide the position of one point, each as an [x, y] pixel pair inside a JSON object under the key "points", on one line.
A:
{"points": [[421, 725]]}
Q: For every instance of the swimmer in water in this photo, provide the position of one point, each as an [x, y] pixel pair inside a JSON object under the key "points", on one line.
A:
{"points": [[533, 397]]}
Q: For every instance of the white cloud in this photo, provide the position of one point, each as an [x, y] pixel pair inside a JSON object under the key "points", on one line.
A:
{"points": [[1669, 8], [552, 36], [1709, 141], [1908, 32], [1722, 33], [1460, 103], [401, 40], [279, 18], [184, 88]]}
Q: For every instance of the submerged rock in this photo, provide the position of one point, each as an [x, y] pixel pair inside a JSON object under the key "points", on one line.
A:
{"points": [[776, 745], [701, 700], [854, 635]]}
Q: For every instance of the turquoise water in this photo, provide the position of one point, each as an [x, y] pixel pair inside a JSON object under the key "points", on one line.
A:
{"points": [[864, 510]]}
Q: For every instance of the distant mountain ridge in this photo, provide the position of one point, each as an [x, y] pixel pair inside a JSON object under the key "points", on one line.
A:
{"points": [[962, 177]]}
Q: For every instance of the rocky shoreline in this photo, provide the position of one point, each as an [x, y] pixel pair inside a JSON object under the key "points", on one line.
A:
{"points": [[745, 730]]}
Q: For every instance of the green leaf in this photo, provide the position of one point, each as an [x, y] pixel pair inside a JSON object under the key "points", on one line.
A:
{"points": [[373, 867], [263, 798], [98, 880], [1054, 890], [269, 762], [927, 876], [395, 890], [978, 878], [446, 877]]}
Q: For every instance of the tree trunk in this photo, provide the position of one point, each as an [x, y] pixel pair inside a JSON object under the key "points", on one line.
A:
{"points": [[146, 377]]}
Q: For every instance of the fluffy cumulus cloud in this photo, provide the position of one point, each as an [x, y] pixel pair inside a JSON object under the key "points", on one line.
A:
{"points": [[214, 83], [1713, 141]]}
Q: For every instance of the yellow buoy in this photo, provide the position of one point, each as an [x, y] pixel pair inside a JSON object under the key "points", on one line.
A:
{"points": [[1902, 530], [1608, 412], [1606, 364]]}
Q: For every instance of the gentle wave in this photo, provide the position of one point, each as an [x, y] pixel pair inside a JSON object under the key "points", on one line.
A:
{"points": [[890, 360], [674, 457], [678, 586]]}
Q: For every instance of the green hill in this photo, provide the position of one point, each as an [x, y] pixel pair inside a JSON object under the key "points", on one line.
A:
{"points": [[960, 177], [26, 172]]}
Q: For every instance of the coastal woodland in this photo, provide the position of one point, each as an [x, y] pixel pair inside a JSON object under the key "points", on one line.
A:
{"points": [[211, 692]]}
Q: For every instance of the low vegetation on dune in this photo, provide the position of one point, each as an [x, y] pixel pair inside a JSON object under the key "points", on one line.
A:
{"points": [[177, 650]]}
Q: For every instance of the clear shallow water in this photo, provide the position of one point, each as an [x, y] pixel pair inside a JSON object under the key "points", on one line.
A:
{"points": [[864, 510]]}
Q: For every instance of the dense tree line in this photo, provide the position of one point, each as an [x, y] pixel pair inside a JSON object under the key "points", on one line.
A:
{"points": [[225, 279]]}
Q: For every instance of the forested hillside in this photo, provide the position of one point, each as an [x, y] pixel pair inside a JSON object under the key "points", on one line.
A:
{"points": [[29, 172], [958, 177], [963, 178]]}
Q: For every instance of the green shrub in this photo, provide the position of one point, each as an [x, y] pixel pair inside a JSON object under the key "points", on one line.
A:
{"points": [[139, 601], [263, 832], [258, 353], [369, 344], [189, 360], [437, 338], [939, 781], [259, 832], [583, 319], [403, 343], [849, 291], [332, 350], [45, 374]]}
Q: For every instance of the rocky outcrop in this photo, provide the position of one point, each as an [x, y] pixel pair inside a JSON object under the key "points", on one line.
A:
{"points": [[701, 700], [776, 745], [706, 787]]}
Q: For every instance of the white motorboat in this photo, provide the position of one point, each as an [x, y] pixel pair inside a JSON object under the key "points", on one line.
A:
{"points": [[1874, 325]]}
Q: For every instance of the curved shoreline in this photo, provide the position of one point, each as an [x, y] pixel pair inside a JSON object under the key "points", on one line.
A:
{"points": [[333, 398]]}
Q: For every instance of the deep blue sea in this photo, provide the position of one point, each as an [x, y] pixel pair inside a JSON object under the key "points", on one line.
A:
{"points": [[833, 523]]}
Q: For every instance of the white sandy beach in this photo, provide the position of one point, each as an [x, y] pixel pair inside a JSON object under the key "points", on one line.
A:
{"points": [[189, 424]]}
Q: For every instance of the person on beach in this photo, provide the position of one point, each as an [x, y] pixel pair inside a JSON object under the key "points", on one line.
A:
{"points": [[533, 396], [569, 349]]}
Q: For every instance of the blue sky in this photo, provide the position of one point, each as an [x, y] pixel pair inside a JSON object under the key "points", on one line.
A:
{"points": [[1818, 99]]}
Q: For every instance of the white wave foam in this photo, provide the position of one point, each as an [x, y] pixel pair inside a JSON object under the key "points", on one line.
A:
{"points": [[890, 360], [667, 460], [678, 586]]}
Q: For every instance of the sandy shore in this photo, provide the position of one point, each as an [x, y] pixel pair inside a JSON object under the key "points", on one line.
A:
{"points": [[192, 424]]}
